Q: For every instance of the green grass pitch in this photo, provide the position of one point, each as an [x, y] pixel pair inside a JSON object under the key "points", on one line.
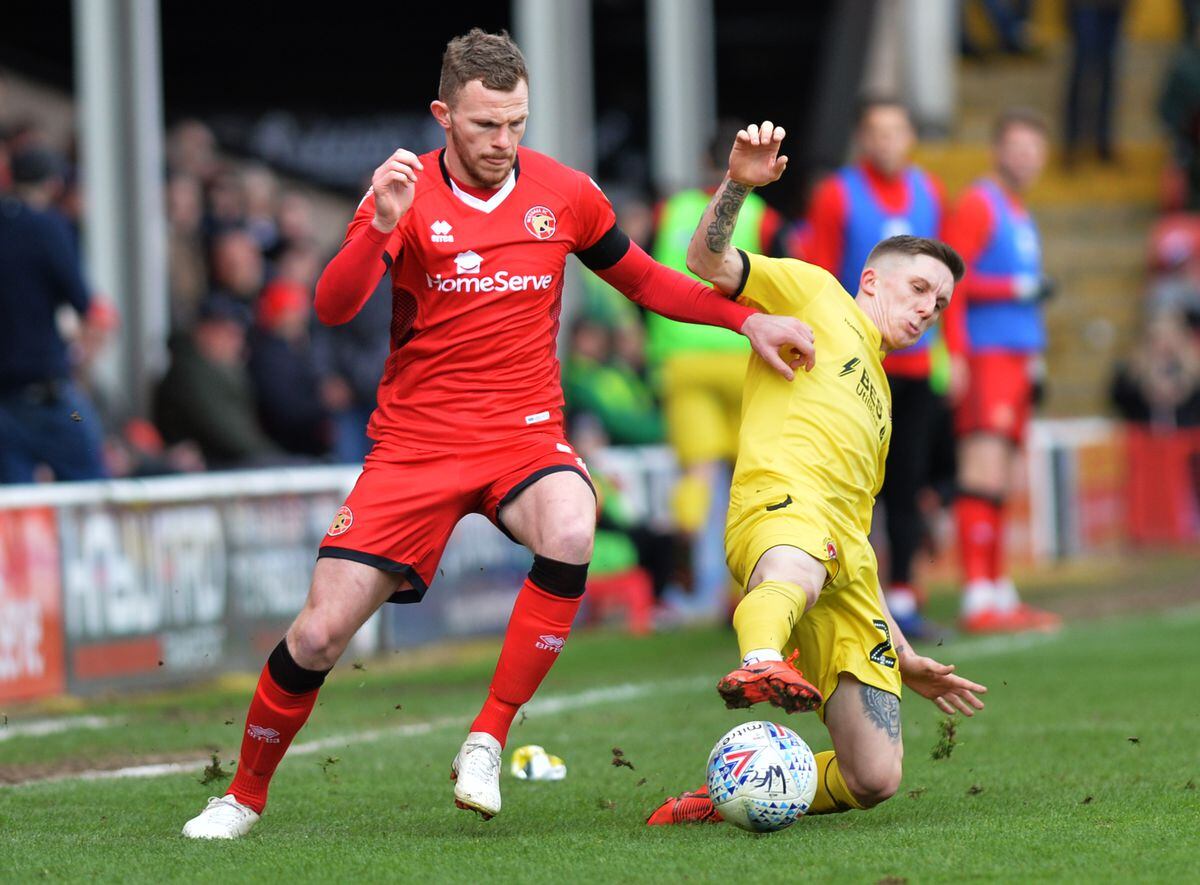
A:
{"points": [[1084, 767]]}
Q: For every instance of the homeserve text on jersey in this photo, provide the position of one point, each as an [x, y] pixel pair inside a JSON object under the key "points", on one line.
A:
{"points": [[469, 280]]}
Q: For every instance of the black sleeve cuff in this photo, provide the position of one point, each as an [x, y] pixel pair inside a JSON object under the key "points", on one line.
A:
{"points": [[606, 251], [745, 274]]}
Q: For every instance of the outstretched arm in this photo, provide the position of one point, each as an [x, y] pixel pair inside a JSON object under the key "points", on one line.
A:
{"points": [[753, 162]]}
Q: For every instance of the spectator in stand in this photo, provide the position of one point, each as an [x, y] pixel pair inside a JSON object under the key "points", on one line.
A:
{"points": [[139, 451], [237, 266], [1010, 21], [1095, 32], [349, 360], [207, 396], [187, 267], [260, 193], [595, 384], [629, 353], [1159, 386], [1179, 109], [297, 226], [881, 195], [285, 377], [1001, 297], [225, 203], [192, 150], [601, 301], [1175, 265], [45, 419], [299, 264]]}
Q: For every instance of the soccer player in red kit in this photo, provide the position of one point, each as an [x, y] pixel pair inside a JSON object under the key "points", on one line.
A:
{"points": [[475, 237]]}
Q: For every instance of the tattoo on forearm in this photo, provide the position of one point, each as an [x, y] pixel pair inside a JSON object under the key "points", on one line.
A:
{"points": [[726, 212], [883, 709]]}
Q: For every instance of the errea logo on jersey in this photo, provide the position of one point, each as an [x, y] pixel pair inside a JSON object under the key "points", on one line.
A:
{"points": [[441, 232], [469, 278]]}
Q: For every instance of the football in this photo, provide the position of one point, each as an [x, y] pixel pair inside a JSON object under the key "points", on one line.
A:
{"points": [[762, 776]]}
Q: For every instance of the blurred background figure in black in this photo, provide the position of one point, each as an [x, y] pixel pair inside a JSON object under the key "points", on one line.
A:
{"points": [[44, 417]]}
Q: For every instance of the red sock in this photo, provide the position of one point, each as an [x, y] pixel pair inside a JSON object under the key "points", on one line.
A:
{"points": [[272, 721], [537, 629], [977, 521], [996, 569]]}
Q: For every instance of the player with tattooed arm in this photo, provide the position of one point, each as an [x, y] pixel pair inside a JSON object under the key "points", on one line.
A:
{"points": [[810, 462]]}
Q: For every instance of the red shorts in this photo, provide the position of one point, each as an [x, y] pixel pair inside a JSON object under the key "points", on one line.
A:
{"points": [[999, 396], [406, 502]]}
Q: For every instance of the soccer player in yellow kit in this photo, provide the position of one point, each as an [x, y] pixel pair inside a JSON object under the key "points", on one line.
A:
{"points": [[811, 460]]}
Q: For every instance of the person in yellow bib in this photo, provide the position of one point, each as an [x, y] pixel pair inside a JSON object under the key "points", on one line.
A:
{"points": [[699, 371], [811, 460]]}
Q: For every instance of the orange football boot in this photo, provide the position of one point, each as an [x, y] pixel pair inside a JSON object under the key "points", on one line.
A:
{"points": [[1022, 619], [692, 807], [1025, 618], [988, 620], [775, 682]]}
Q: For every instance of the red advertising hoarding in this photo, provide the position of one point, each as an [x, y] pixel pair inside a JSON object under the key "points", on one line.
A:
{"points": [[31, 625]]}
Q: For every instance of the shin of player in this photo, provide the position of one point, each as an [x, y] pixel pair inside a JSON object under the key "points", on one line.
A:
{"points": [[784, 585], [342, 596]]}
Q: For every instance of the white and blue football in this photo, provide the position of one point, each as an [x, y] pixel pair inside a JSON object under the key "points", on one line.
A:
{"points": [[762, 776]]}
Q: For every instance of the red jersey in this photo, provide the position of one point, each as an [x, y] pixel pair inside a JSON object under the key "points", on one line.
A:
{"points": [[477, 289]]}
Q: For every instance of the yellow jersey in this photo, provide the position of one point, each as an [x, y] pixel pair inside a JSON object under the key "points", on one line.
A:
{"points": [[822, 438]]}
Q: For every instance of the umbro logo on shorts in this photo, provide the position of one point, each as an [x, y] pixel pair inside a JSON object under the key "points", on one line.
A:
{"points": [[550, 643], [786, 502]]}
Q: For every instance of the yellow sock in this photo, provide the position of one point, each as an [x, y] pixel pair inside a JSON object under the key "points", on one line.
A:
{"points": [[832, 793], [767, 614]]}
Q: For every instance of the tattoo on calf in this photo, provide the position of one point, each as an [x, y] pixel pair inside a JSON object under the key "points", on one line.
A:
{"points": [[726, 212], [883, 709]]}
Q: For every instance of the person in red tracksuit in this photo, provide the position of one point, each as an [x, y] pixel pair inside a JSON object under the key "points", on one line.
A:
{"points": [[881, 195], [470, 416], [1000, 297]]}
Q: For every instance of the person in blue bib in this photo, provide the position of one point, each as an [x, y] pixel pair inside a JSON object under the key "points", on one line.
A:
{"points": [[1000, 297], [883, 194]]}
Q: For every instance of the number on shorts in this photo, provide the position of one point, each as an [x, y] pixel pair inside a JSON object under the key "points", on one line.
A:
{"points": [[879, 652]]}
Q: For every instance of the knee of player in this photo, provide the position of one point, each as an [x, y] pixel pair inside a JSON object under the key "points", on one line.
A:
{"points": [[811, 592], [314, 644], [570, 539], [875, 785]]}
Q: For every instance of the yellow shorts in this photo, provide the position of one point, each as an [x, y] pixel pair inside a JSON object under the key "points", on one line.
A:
{"points": [[702, 399], [845, 632]]}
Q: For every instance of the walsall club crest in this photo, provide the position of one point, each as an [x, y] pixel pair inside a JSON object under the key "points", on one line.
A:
{"points": [[342, 520], [540, 222], [830, 549]]}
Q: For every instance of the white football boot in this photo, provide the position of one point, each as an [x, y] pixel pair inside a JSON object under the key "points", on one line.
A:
{"points": [[222, 818], [476, 775]]}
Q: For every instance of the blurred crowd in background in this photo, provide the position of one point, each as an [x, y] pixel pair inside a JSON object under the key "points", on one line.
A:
{"points": [[253, 380]]}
